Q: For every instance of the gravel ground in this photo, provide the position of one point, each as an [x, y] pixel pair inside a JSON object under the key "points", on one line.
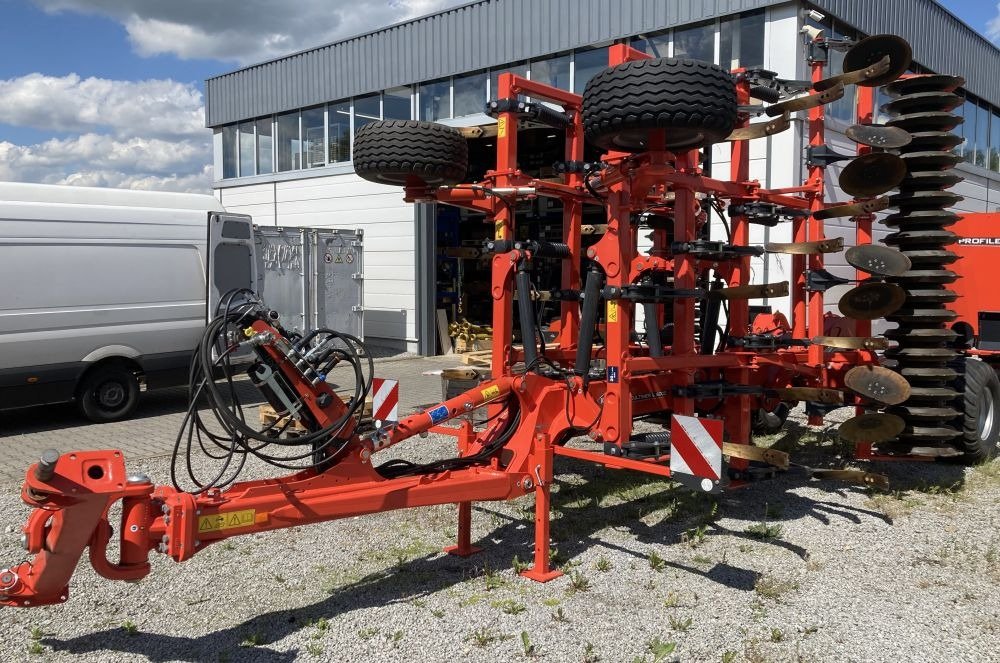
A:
{"points": [[791, 569]]}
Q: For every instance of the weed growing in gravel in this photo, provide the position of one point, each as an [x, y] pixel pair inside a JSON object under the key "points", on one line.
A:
{"points": [[695, 536], [519, 566], [673, 600], [395, 639], [36, 633], [656, 562], [774, 588], [493, 579], [758, 611], [578, 582], [484, 637], [701, 560], [252, 640], [437, 612], [551, 602], [777, 635], [530, 650], [129, 627], [510, 606], [36, 648], [559, 616], [590, 654], [660, 649], [729, 656], [367, 633], [603, 564], [678, 624], [764, 531], [314, 649], [773, 510]]}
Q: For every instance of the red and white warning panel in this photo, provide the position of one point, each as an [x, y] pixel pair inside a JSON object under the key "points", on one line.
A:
{"points": [[385, 399], [696, 452]]}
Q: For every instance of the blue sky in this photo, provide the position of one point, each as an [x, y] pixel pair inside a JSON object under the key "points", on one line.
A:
{"points": [[109, 92]]}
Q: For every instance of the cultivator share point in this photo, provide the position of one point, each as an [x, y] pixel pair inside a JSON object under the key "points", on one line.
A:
{"points": [[698, 362]]}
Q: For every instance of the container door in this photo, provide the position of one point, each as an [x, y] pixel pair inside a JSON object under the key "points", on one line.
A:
{"points": [[338, 280], [282, 261], [231, 263]]}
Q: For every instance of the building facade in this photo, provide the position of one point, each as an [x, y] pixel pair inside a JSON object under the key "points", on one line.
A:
{"points": [[283, 129]]}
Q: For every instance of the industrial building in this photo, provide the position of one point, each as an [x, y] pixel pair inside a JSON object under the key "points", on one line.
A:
{"points": [[283, 128]]}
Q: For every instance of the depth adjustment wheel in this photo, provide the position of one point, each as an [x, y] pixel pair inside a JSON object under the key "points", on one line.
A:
{"points": [[108, 393], [410, 153], [689, 103]]}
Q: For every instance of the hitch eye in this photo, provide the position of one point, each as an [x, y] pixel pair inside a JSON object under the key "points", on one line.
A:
{"points": [[95, 472]]}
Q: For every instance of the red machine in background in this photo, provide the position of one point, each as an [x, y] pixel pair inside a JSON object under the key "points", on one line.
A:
{"points": [[698, 362], [978, 249]]}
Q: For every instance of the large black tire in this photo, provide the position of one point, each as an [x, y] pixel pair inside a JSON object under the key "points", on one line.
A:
{"points": [[410, 153], [692, 102], [981, 418], [107, 393]]}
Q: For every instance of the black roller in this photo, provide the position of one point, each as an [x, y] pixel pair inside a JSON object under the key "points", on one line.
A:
{"points": [[930, 160], [920, 102], [924, 83], [922, 238], [928, 180], [931, 257], [933, 141], [924, 200], [921, 219], [926, 121]]}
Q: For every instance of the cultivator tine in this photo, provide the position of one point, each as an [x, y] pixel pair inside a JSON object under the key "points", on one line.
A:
{"points": [[758, 291], [830, 245], [853, 209], [870, 301], [878, 384], [855, 77], [872, 427], [852, 342], [879, 260], [761, 129], [877, 135], [806, 102], [872, 479], [872, 174], [759, 454], [811, 394]]}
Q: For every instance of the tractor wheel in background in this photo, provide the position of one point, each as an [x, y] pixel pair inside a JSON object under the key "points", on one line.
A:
{"points": [[107, 393], [692, 102], [981, 419], [410, 153]]}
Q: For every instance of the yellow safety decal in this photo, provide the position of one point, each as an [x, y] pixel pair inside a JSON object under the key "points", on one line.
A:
{"points": [[498, 227], [490, 392], [228, 520], [502, 127], [612, 312]]}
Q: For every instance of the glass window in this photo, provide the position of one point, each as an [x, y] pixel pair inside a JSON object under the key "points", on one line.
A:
{"points": [[519, 69], [696, 42], [657, 45], [313, 141], [969, 131], [435, 100], [995, 142], [265, 146], [845, 108], [230, 151], [367, 109], [741, 41], [588, 64], [552, 71], [396, 104], [340, 131], [982, 134], [247, 150], [288, 142], [470, 94]]}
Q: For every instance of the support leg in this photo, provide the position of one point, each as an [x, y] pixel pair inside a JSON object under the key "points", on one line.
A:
{"points": [[540, 570], [464, 548]]}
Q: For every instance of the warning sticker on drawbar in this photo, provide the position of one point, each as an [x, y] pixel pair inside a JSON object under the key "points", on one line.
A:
{"points": [[438, 414]]}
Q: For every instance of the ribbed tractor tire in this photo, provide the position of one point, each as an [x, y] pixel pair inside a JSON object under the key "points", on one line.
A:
{"points": [[981, 418], [692, 102], [410, 153]]}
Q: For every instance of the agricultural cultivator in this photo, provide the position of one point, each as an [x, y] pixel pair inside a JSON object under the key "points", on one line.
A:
{"points": [[696, 362]]}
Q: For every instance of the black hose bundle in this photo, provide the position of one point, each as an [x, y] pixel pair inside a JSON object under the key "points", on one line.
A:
{"points": [[237, 440]]}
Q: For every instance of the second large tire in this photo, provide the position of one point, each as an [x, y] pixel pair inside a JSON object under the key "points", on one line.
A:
{"points": [[692, 102], [981, 420], [410, 153]]}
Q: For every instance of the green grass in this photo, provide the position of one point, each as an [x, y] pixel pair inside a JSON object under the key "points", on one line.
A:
{"points": [[770, 587], [764, 531]]}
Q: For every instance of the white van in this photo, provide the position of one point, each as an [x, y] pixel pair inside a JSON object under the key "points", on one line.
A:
{"points": [[106, 291]]}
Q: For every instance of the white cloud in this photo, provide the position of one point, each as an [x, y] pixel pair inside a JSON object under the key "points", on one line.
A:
{"points": [[993, 26], [244, 31]]}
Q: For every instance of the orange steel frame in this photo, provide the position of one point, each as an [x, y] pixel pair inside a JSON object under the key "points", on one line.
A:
{"points": [[71, 507]]}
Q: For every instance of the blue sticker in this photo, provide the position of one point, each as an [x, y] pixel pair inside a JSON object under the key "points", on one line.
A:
{"points": [[438, 414], [612, 374]]}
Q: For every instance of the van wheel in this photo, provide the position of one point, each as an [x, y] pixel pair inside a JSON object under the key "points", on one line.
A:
{"points": [[981, 429], [108, 393]]}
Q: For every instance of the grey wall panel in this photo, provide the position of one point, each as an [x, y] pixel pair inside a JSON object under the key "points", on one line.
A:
{"points": [[488, 33], [941, 42]]}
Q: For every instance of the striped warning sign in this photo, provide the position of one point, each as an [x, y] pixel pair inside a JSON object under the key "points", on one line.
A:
{"points": [[385, 399], [696, 451]]}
